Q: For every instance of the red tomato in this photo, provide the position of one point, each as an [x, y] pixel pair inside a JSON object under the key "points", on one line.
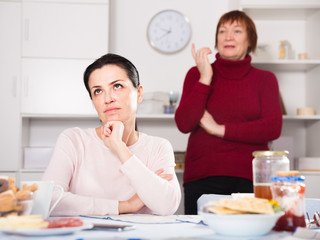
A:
{"points": [[65, 222]]}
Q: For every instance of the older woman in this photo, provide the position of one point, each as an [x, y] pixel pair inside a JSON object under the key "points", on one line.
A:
{"points": [[113, 168], [230, 108]]}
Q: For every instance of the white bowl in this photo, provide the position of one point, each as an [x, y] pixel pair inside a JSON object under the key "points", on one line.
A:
{"points": [[241, 225]]}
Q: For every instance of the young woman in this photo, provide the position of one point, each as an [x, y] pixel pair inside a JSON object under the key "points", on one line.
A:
{"points": [[114, 169], [230, 108]]}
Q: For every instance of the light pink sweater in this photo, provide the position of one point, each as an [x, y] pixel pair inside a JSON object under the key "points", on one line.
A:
{"points": [[95, 181]]}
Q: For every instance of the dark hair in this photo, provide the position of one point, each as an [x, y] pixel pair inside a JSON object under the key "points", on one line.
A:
{"points": [[244, 19], [115, 59]]}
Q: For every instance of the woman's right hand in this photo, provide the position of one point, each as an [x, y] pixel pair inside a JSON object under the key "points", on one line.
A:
{"points": [[111, 134], [133, 205], [202, 61]]}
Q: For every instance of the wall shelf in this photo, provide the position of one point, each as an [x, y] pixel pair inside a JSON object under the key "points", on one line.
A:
{"points": [[141, 116], [92, 116], [296, 117], [287, 65], [59, 116], [155, 116]]}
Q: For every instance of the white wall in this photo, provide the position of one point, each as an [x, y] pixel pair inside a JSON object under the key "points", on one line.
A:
{"points": [[128, 37]]}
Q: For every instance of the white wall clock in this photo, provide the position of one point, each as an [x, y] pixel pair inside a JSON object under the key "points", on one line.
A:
{"points": [[169, 31]]}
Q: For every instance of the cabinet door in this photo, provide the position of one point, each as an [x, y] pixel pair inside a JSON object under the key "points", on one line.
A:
{"points": [[31, 176], [54, 86], [9, 76], [65, 30]]}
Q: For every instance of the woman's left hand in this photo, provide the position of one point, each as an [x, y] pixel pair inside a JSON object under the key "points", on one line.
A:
{"points": [[208, 123]]}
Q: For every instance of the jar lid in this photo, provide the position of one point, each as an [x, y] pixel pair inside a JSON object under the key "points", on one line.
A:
{"points": [[287, 173], [270, 153], [287, 179]]}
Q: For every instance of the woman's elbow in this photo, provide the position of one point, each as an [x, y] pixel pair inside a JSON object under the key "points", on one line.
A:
{"points": [[276, 133], [168, 209], [183, 128]]}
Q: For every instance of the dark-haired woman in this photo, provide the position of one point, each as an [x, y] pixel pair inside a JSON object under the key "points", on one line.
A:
{"points": [[113, 169], [230, 109]]}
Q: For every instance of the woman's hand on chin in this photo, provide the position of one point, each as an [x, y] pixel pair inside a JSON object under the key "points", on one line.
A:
{"points": [[111, 134]]}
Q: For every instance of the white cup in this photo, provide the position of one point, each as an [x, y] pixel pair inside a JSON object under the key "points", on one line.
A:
{"points": [[42, 197]]}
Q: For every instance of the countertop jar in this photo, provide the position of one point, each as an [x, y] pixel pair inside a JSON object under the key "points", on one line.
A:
{"points": [[289, 191], [265, 165]]}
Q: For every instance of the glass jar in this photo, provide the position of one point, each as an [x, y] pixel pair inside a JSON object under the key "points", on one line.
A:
{"points": [[284, 50], [289, 191], [265, 165]]}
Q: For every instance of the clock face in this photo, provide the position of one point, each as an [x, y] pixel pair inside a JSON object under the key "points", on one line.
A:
{"points": [[169, 31]]}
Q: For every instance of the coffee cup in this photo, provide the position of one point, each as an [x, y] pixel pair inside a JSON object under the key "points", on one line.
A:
{"points": [[42, 197]]}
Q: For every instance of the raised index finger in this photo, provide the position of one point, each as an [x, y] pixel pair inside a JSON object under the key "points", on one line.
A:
{"points": [[193, 50]]}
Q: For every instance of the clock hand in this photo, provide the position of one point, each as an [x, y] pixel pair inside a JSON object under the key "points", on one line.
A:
{"points": [[167, 32]]}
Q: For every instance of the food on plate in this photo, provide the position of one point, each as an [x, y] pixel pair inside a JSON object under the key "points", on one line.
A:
{"points": [[223, 210], [22, 222], [24, 193], [32, 188], [65, 222], [11, 197], [4, 184], [8, 201], [242, 206], [37, 222]]}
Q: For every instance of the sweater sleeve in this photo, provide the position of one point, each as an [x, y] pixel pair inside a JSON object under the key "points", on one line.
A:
{"points": [[192, 103], [162, 197], [268, 126], [61, 171]]}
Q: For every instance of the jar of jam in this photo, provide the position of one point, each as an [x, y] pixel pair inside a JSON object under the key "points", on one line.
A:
{"points": [[289, 191], [265, 165]]}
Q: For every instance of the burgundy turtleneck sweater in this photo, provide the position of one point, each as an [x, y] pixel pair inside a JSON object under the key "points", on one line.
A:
{"points": [[243, 98]]}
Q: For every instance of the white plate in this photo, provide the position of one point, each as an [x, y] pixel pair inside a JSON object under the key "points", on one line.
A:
{"points": [[48, 231]]}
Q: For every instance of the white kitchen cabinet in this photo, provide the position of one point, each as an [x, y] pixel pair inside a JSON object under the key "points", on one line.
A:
{"points": [[65, 29], [312, 184], [30, 175], [163, 125], [60, 39], [297, 22], [54, 86], [10, 27]]}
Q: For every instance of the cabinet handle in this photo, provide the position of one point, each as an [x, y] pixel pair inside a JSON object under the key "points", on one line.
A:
{"points": [[26, 29]]}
